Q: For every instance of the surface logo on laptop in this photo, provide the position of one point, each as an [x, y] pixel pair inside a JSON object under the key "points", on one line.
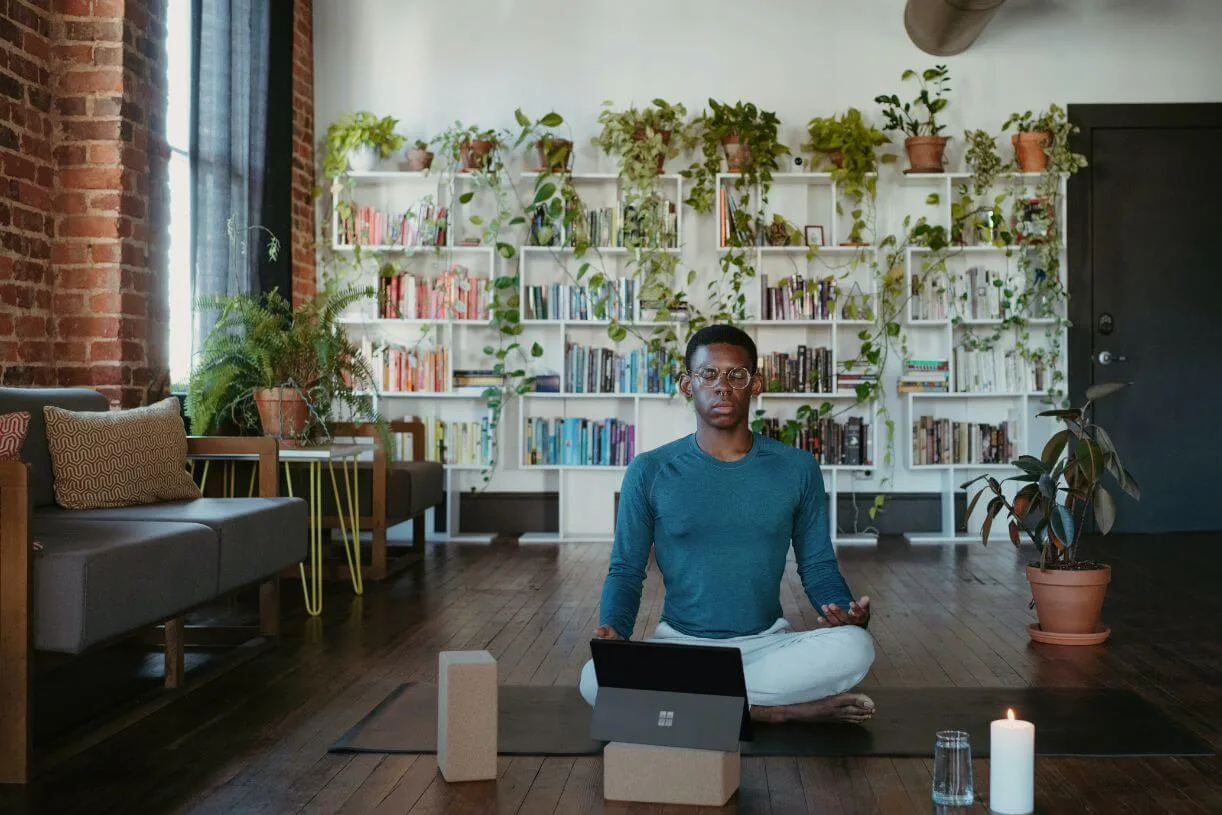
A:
{"points": [[666, 718]]}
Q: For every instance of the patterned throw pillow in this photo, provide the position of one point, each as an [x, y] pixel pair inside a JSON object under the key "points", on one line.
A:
{"points": [[13, 427], [119, 458]]}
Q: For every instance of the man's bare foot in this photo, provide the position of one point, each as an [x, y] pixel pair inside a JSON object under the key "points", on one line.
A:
{"points": [[843, 708]]}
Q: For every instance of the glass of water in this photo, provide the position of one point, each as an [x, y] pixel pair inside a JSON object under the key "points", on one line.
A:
{"points": [[952, 769]]}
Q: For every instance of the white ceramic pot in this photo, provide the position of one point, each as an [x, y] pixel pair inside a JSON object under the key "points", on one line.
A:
{"points": [[362, 159]]}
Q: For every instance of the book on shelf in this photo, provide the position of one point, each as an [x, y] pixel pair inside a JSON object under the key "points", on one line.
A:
{"points": [[572, 441], [612, 300], [831, 442], [924, 376], [590, 369], [398, 369], [731, 227], [945, 441], [422, 224], [452, 294], [446, 442], [475, 381], [848, 379], [806, 370], [983, 288], [928, 302], [997, 371], [796, 298], [617, 227]]}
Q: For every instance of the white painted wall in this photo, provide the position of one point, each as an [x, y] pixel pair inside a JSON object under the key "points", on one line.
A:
{"points": [[429, 62]]}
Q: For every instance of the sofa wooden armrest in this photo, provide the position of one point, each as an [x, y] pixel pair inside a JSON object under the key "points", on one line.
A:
{"points": [[265, 447], [381, 565], [15, 632]]}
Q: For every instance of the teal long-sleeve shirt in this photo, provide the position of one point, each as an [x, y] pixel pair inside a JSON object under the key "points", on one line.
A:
{"points": [[721, 532]]}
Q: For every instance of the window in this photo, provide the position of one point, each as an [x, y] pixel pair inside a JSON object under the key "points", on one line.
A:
{"points": [[178, 135]]}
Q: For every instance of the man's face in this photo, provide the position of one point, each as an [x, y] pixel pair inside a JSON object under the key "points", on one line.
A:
{"points": [[720, 404]]}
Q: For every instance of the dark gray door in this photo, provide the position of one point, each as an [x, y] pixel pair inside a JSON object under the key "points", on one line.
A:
{"points": [[1145, 221]]}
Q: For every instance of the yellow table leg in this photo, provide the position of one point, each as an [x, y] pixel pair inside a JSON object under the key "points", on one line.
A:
{"points": [[352, 543], [311, 585]]}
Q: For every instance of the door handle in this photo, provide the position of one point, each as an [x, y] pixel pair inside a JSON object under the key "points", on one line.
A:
{"points": [[1107, 358]]}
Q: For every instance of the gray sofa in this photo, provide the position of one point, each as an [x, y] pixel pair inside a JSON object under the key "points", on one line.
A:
{"points": [[103, 574]]}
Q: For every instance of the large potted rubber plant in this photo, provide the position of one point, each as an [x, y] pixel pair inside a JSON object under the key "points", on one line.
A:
{"points": [[1063, 491], [268, 368]]}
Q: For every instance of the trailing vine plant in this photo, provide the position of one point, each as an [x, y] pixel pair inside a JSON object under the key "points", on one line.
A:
{"points": [[747, 136]]}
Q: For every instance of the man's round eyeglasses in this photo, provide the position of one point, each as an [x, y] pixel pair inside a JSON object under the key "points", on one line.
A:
{"points": [[738, 378]]}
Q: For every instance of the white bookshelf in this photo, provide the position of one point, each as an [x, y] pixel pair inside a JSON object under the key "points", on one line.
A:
{"points": [[464, 339], [937, 337]]}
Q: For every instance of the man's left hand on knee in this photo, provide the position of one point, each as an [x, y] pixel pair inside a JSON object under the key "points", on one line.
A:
{"points": [[858, 613]]}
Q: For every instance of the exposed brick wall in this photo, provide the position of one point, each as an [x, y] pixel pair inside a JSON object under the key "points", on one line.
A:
{"points": [[111, 196], [302, 239], [28, 166], [83, 229]]}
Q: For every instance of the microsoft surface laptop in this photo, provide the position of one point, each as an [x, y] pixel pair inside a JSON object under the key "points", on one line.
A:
{"points": [[670, 695]]}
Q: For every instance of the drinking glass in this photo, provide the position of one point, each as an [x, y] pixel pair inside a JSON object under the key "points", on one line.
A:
{"points": [[952, 769]]}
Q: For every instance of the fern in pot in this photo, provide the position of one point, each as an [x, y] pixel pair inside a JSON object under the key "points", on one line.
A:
{"points": [[267, 368], [1062, 491]]}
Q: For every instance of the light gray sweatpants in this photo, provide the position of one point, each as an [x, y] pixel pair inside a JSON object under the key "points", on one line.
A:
{"points": [[782, 666]]}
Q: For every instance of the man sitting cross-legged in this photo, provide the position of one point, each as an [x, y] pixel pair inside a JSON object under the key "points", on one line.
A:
{"points": [[720, 509]]}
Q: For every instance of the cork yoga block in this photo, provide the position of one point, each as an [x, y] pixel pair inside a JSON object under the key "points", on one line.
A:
{"points": [[647, 774], [466, 715]]}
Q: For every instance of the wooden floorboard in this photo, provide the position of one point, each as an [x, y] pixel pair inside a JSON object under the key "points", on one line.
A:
{"points": [[254, 739]]}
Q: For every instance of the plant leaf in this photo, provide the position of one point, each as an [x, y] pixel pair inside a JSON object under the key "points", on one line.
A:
{"points": [[521, 117], [1054, 447], [544, 192], [536, 350], [1129, 485], [1089, 459], [1105, 509], [552, 119], [1032, 465], [466, 197], [1103, 389], [995, 506], [972, 504], [1062, 524]]}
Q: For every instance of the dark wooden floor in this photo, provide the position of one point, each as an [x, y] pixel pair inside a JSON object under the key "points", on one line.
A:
{"points": [[254, 739]]}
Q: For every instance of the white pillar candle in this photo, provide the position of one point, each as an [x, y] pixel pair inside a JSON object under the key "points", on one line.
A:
{"points": [[1011, 766]]}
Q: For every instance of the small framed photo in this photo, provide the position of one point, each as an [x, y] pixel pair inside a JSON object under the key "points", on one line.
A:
{"points": [[814, 235]]}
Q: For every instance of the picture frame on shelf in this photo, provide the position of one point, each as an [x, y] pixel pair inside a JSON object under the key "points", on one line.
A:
{"points": [[814, 235]]}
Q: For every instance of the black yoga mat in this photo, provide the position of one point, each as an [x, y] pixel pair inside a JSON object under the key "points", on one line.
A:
{"points": [[555, 721]]}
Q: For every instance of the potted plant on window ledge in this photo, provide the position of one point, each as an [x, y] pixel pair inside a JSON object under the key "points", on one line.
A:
{"points": [[1063, 489]]}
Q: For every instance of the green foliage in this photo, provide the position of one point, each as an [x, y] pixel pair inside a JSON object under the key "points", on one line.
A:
{"points": [[262, 342], [644, 139], [353, 130], [454, 139], [905, 116], [1063, 489], [756, 131]]}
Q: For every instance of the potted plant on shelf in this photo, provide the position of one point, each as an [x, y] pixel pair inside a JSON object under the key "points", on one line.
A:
{"points": [[470, 148], [419, 157], [265, 367], [746, 136], [1063, 490], [924, 146], [357, 140], [644, 139], [1036, 135], [851, 146]]}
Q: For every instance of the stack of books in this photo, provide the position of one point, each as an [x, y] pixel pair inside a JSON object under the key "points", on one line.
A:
{"points": [[944, 441], [424, 224], [608, 227], [993, 371], [470, 380], [925, 376], [798, 299], [601, 370], [464, 443], [847, 379], [453, 294], [831, 442], [611, 301], [572, 441], [807, 370]]}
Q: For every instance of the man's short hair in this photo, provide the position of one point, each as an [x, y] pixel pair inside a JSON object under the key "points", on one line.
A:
{"points": [[721, 334]]}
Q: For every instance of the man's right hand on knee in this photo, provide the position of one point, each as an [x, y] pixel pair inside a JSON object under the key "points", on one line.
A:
{"points": [[606, 632]]}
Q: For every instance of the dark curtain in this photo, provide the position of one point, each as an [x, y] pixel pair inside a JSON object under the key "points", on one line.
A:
{"points": [[228, 148]]}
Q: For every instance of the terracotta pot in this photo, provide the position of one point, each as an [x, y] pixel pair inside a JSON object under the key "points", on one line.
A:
{"points": [[1029, 150], [560, 149], [1069, 601], [737, 154], [418, 160], [925, 153], [665, 134], [836, 157], [283, 412], [475, 154]]}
